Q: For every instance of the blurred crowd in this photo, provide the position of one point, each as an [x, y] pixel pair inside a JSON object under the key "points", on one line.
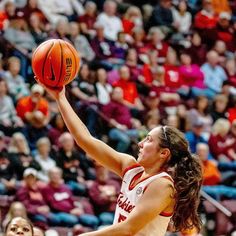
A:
{"points": [[143, 64]]}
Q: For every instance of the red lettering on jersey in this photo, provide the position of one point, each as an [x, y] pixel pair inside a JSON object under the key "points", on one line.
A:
{"points": [[124, 203], [121, 218]]}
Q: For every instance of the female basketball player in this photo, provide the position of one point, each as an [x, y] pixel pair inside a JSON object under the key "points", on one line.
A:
{"points": [[162, 184], [19, 226]]}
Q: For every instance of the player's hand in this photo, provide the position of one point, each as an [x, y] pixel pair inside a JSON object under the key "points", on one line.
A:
{"points": [[55, 93]]}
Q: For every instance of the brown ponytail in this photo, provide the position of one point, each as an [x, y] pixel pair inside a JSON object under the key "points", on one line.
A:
{"points": [[186, 172]]}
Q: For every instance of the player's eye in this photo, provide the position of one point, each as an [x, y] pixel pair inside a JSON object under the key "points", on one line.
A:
{"points": [[13, 229], [26, 229]]}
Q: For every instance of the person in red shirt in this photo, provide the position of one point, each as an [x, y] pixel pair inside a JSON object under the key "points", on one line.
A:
{"points": [[205, 22], [173, 78], [156, 42], [130, 93]]}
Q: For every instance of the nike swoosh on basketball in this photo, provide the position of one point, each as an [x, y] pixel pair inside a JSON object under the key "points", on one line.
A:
{"points": [[53, 78]]}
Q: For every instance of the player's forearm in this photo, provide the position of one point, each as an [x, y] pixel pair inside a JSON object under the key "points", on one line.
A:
{"points": [[73, 123]]}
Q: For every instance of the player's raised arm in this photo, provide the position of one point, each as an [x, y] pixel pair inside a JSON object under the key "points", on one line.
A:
{"points": [[95, 148]]}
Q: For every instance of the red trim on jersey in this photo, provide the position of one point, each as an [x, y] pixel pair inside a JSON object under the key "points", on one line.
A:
{"points": [[130, 168], [132, 182], [166, 214]]}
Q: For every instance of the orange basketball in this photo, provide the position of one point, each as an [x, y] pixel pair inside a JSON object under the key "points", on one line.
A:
{"points": [[55, 63]]}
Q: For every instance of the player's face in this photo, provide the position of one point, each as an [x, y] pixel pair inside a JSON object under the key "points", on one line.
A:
{"points": [[19, 226], [149, 150]]}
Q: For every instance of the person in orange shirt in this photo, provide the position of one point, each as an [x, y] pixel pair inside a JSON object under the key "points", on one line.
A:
{"points": [[34, 111], [220, 6], [211, 174]]}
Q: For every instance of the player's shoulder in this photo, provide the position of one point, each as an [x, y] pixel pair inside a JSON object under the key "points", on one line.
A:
{"points": [[165, 183]]}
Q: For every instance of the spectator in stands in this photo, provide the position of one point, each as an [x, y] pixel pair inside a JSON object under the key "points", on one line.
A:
{"points": [[19, 226], [201, 111], [230, 67], [131, 61], [211, 174], [56, 129], [84, 96], [20, 155], [82, 88], [190, 73], [34, 111], [61, 30], [225, 30], [124, 128], [70, 161], [120, 48], [224, 54], [138, 40], [55, 10], [80, 42], [88, 19], [4, 16], [18, 144], [219, 107], [16, 209], [182, 18], [194, 136], [7, 175], [43, 158], [103, 88], [60, 200], [169, 98], [150, 66], [132, 19], [173, 79], [22, 41], [205, 22], [212, 178], [103, 193], [9, 121], [130, 93], [108, 19], [15, 82], [37, 29], [162, 16], [219, 142], [103, 48], [31, 196], [32, 8], [156, 41], [197, 49], [214, 76], [152, 106]]}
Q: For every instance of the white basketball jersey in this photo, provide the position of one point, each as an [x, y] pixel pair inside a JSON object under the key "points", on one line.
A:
{"points": [[129, 197]]}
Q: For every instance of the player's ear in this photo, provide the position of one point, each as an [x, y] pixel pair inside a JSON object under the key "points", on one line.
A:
{"points": [[165, 154]]}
